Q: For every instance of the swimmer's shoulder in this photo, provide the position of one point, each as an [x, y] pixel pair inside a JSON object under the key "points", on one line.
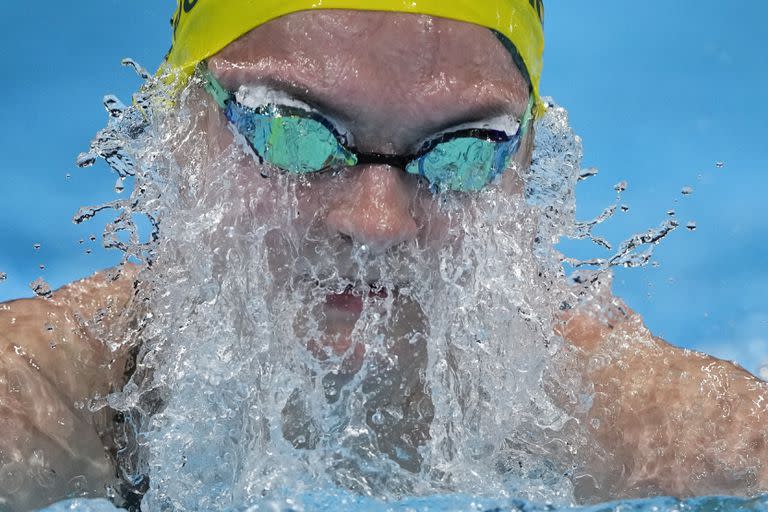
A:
{"points": [[56, 355], [590, 326], [705, 417], [74, 335]]}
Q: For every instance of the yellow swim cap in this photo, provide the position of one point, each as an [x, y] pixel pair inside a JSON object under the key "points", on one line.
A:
{"points": [[203, 27]]}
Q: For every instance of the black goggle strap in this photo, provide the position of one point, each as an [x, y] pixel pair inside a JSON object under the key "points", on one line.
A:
{"points": [[398, 161]]}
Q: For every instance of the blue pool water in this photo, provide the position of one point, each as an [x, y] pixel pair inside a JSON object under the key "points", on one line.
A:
{"points": [[460, 503]]}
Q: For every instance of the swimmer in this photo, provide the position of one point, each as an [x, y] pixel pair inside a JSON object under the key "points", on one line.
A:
{"points": [[415, 85]]}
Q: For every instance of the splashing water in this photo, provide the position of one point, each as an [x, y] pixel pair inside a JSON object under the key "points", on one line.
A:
{"points": [[251, 391], [40, 287]]}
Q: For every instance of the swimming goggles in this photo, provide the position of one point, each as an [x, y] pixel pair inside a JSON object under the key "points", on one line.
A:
{"points": [[301, 141]]}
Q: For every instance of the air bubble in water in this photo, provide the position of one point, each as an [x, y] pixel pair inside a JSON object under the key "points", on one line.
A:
{"points": [[691, 226], [687, 190], [119, 185], [36, 246], [40, 287], [671, 213], [41, 266], [621, 186], [378, 418], [624, 208], [67, 176], [92, 238], [719, 164], [3, 276]]}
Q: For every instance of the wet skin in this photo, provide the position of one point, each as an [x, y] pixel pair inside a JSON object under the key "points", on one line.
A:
{"points": [[657, 409]]}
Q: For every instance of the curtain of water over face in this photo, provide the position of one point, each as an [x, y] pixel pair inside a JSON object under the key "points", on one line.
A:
{"points": [[247, 387]]}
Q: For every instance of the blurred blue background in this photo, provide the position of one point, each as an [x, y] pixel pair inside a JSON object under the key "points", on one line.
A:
{"points": [[659, 91]]}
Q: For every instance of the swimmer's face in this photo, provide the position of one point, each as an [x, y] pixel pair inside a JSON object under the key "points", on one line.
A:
{"points": [[392, 80]]}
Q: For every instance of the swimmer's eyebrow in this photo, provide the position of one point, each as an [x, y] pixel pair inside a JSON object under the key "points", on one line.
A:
{"points": [[484, 107]]}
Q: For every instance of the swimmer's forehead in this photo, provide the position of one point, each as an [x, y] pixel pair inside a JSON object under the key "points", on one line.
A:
{"points": [[371, 66]]}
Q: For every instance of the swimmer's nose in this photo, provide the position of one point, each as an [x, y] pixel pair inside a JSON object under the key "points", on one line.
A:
{"points": [[375, 209]]}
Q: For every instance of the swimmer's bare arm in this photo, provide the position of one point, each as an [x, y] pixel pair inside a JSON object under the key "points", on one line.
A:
{"points": [[52, 362], [670, 421]]}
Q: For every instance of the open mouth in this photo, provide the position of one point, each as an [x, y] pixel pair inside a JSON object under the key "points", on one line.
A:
{"points": [[351, 299]]}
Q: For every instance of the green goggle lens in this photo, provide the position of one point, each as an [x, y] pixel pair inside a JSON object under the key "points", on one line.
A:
{"points": [[297, 144], [461, 164]]}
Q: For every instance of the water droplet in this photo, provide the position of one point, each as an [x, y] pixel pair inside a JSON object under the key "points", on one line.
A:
{"points": [[624, 208], [86, 159], [40, 287], [691, 226], [3, 276], [621, 186], [77, 484], [41, 266], [138, 68], [81, 241], [36, 246], [719, 164], [671, 213], [119, 186], [67, 176], [88, 251], [114, 106], [587, 173], [92, 238], [687, 190]]}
